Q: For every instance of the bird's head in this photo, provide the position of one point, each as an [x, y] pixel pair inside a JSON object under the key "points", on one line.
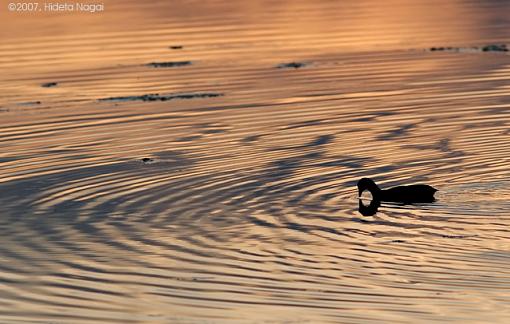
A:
{"points": [[367, 184]]}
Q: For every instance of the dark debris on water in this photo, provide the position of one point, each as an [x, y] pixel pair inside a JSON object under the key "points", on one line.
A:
{"points": [[175, 47], [49, 84], [158, 97], [295, 65], [457, 236], [486, 48], [495, 48], [169, 64], [147, 160], [29, 103]]}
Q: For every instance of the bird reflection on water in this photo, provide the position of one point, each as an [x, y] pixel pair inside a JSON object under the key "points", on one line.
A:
{"points": [[370, 209]]}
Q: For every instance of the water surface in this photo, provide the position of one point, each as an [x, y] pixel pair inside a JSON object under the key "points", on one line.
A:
{"points": [[255, 120]]}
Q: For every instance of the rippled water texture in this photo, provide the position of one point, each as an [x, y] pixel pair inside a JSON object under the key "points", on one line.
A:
{"points": [[254, 121]]}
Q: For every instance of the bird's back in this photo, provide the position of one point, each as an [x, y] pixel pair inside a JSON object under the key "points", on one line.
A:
{"points": [[412, 193]]}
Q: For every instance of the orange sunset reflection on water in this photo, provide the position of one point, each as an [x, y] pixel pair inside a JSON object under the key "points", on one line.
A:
{"points": [[196, 161]]}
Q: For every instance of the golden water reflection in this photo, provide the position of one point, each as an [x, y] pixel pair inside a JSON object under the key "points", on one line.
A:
{"points": [[245, 207]]}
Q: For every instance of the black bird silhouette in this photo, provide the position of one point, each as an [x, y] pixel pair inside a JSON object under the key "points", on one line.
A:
{"points": [[418, 193], [369, 210]]}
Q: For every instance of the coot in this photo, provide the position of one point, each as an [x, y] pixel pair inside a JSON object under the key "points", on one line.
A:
{"points": [[405, 194]]}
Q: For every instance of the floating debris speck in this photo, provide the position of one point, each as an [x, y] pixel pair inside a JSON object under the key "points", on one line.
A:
{"points": [[158, 97], [295, 65], [169, 64], [49, 84], [29, 103], [147, 160], [495, 48], [486, 48]]}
